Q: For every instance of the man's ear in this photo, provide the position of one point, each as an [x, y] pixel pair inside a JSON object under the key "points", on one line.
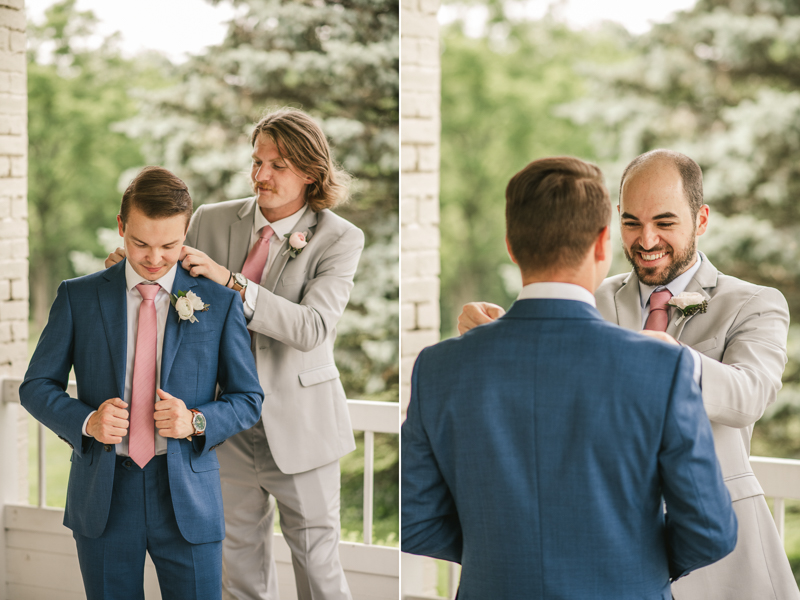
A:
{"points": [[510, 253], [702, 219], [121, 226], [602, 245]]}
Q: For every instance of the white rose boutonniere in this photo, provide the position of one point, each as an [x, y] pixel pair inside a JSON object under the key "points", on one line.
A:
{"points": [[297, 241], [689, 303], [186, 304]]}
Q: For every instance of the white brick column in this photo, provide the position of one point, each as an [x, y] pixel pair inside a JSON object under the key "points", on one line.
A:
{"points": [[14, 207], [419, 210], [419, 204]]}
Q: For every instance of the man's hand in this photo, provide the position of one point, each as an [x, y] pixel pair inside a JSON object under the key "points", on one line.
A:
{"points": [[115, 257], [110, 423], [660, 335], [173, 419], [478, 313], [199, 263]]}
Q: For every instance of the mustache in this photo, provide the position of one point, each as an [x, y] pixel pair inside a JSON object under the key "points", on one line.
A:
{"points": [[263, 186], [638, 248]]}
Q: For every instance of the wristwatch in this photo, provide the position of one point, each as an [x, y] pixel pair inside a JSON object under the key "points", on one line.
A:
{"points": [[239, 282], [198, 422]]}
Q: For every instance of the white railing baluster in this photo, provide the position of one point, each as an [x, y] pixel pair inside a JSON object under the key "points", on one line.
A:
{"points": [[42, 460], [369, 480], [453, 576]]}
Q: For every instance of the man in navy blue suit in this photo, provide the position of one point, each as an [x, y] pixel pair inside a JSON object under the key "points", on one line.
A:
{"points": [[164, 375], [552, 454]]}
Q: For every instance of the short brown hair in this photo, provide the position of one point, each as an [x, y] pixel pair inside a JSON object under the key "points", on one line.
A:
{"points": [[158, 194], [301, 142], [555, 209], [690, 172]]}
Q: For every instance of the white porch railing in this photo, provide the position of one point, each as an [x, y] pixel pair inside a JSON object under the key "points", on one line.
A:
{"points": [[779, 477], [37, 553]]}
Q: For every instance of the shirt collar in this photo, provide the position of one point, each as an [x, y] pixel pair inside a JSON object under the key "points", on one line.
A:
{"points": [[132, 278], [676, 286], [282, 226], [553, 290]]}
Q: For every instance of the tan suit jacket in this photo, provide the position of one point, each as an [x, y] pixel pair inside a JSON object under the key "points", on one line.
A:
{"points": [[741, 340], [305, 413]]}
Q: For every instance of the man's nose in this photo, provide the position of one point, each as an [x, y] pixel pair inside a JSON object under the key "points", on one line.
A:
{"points": [[263, 173], [650, 238]]}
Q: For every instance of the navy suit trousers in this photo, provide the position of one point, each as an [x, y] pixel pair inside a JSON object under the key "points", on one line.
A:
{"points": [[142, 519]]}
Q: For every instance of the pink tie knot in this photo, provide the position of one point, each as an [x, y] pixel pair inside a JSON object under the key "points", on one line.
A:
{"points": [[658, 318], [658, 300], [266, 232], [148, 290]]}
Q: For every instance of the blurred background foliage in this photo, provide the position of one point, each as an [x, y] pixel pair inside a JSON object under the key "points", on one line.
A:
{"points": [[96, 117], [719, 82]]}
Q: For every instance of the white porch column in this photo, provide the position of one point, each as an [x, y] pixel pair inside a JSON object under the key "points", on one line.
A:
{"points": [[14, 208], [419, 209], [419, 184]]}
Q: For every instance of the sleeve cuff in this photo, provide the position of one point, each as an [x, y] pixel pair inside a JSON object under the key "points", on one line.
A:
{"points": [[698, 367], [250, 300], [85, 423]]}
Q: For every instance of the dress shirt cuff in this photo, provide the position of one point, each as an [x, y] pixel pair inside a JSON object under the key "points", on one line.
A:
{"points": [[250, 299], [698, 366], [86, 423]]}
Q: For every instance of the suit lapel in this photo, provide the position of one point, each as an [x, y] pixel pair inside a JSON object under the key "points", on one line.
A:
{"points": [[628, 304], [705, 278], [239, 240], [306, 223], [173, 330], [113, 299]]}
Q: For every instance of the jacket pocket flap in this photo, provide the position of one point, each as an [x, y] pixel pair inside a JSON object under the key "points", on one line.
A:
{"points": [[705, 345], [318, 375], [206, 462], [743, 486]]}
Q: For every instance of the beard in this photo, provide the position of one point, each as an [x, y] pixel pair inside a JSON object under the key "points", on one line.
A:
{"points": [[651, 275]]}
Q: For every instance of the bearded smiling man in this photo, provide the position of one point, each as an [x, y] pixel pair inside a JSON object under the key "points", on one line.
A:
{"points": [[740, 342]]}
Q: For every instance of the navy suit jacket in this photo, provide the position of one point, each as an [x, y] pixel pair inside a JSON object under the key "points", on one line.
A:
{"points": [[537, 450], [87, 329]]}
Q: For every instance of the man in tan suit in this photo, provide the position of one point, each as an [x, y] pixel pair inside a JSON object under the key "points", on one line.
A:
{"points": [[740, 341], [293, 261]]}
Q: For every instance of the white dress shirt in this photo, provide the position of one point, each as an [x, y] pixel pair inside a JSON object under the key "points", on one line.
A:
{"points": [[555, 290], [134, 301], [277, 244], [676, 286]]}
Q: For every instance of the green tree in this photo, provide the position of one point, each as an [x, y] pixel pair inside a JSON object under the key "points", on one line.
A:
{"points": [[339, 62], [500, 94], [75, 96], [721, 83]]}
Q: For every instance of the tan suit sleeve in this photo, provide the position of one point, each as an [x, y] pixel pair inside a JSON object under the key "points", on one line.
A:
{"points": [[306, 325], [737, 390]]}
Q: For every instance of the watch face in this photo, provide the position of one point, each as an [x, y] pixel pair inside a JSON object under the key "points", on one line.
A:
{"points": [[199, 422], [240, 279]]}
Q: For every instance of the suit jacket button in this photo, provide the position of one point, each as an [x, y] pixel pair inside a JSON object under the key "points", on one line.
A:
{"points": [[107, 447]]}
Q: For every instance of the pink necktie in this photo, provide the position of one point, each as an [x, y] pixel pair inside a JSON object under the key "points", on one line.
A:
{"points": [[659, 311], [257, 259], [141, 444]]}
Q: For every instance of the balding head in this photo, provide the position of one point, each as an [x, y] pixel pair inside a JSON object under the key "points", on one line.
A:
{"points": [[689, 171]]}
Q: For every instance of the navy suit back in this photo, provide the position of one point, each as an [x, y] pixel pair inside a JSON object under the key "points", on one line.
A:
{"points": [[547, 427]]}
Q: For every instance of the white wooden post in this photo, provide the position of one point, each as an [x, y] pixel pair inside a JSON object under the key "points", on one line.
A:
{"points": [[369, 478], [9, 487]]}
